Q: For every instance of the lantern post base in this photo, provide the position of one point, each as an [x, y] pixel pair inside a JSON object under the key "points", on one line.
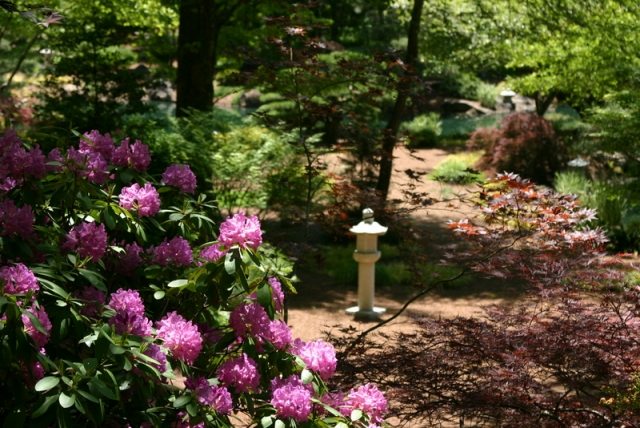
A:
{"points": [[366, 314]]}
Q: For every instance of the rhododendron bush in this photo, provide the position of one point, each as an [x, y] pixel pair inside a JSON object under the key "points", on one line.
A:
{"points": [[121, 303]]}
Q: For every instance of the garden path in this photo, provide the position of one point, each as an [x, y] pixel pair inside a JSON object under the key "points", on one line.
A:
{"points": [[320, 305]]}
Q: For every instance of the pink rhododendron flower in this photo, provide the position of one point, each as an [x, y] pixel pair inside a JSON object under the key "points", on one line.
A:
{"points": [[154, 351], [279, 334], [292, 399], [16, 221], [90, 165], [277, 295], [55, 160], [144, 200], [212, 253], [319, 356], [216, 397], [242, 231], [127, 301], [18, 279], [95, 142], [176, 252], [130, 259], [88, 240], [18, 163], [135, 156], [129, 317], [337, 401], [180, 336], [40, 314], [241, 373], [249, 319], [180, 176], [370, 400]]}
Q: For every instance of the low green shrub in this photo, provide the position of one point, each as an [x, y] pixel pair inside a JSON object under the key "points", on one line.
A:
{"points": [[423, 130], [617, 204], [458, 169]]}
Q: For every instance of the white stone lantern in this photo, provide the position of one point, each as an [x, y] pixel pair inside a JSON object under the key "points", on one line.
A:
{"points": [[367, 254], [507, 98]]}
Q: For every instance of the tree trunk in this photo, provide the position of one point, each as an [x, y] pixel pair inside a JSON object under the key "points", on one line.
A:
{"points": [[196, 55], [542, 103], [404, 84]]}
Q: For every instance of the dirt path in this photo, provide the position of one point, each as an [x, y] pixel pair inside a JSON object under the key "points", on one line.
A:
{"points": [[320, 305]]}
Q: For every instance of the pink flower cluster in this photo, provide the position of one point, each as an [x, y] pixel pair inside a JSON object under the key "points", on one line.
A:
{"points": [[212, 253], [241, 373], [135, 156], [17, 163], [129, 317], [251, 320], [180, 336], [176, 252], [130, 259], [15, 221], [238, 230], [40, 338], [144, 200], [216, 397], [370, 400], [157, 353], [87, 240], [292, 399], [242, 231], [18, 279], [319, 356], [180, 176], [96, 152], [277, 295]]}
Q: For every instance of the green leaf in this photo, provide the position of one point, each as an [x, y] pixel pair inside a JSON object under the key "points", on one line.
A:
{"points": [[88, 396], [108, 219], [89, 339], [264, 295], [266, 422], [116, 350], [53, 288], [192, 409], [176, 216], [356, 414], [307, 376], [181, 401], [94, 278], [159, 295], [279, 424], [178, 283], [100, 387], [46, 383], [66, 401], [45, 406], [229, 263], [341, 425]]}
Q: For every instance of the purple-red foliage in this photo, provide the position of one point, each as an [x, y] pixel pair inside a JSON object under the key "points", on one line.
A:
{"points": [[567, 354], [541, 364], [525, 144]]}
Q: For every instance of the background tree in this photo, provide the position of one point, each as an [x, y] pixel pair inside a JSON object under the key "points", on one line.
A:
{"points": [[390, 134]]}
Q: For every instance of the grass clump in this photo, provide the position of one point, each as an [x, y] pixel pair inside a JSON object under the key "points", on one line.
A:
{"points": [[458, 169]]}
